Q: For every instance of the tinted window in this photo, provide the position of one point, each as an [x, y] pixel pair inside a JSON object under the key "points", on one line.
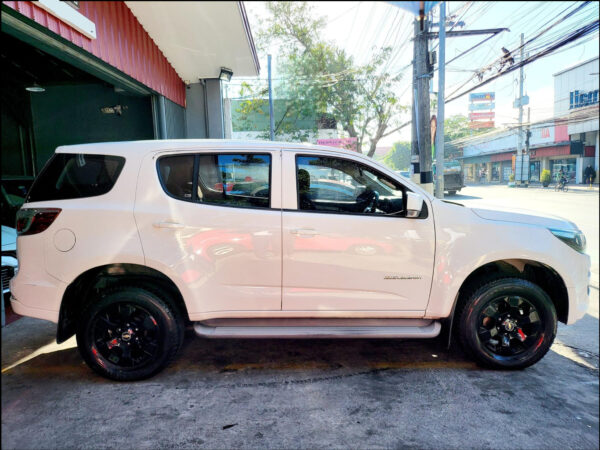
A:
{"points": [[68, 176], [234, 180], [177, 173], [344, 186], [226, 179]]}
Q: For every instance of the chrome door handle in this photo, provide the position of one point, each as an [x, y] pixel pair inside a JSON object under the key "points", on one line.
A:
{"points": [[304, 232], [167, 225]]}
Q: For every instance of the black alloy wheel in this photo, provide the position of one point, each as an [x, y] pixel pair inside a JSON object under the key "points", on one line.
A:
{"points": [[508, 323], [130, 333]]}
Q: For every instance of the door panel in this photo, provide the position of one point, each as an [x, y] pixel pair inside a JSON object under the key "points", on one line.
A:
{"points": [[224, 258], [348, 262]]}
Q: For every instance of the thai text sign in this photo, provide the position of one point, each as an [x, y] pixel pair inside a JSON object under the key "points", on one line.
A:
{"points": [[481, 124], [350, 143], [482, 115]]}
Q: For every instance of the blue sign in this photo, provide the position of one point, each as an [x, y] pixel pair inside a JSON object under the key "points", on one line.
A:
{"points": [[482, 96], [481, 106], [579, 99]]}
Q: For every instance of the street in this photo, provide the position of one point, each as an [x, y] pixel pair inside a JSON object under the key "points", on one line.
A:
{"points": [[316, 393]]}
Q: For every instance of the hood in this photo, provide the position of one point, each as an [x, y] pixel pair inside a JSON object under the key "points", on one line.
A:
{"points": [[527, 217], [9, 238]]}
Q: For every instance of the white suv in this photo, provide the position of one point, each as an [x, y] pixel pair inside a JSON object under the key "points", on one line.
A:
{"points": [[125, 243]]}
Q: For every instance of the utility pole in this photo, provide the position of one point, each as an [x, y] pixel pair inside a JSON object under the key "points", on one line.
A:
{"points": [[422, 143], [520, 136], [439, 134], [527, 142], [272, 119]]}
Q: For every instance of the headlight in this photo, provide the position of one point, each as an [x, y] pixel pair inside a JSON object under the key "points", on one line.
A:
{"points": [[574, 239]]}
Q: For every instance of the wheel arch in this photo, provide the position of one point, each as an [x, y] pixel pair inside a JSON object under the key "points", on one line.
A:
{"points": [[85, 288], [536, 272]]}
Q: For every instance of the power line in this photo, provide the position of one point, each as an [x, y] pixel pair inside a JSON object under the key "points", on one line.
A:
{"points": [[583, 31]]}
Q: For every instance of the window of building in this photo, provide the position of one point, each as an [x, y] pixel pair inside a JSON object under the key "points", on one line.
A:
{"points": [[343, 186], [567, 166]]}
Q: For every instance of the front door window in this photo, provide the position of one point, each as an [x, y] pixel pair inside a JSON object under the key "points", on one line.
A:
{"points": [[345, 187]]}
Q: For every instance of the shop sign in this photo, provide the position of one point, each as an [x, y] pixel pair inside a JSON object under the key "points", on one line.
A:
{"points": [[482, 97], [578, 99], [482, 115], [481, 106], [477, 125], [350, 143]]}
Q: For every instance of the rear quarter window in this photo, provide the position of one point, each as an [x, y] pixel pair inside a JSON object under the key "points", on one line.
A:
{"points": [[69, 176]]}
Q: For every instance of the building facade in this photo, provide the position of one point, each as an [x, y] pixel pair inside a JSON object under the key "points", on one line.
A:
{"points": [[569, 142], [87, 71], [576, 101]]}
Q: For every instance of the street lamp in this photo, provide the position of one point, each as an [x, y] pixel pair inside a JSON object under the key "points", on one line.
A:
{"points": [[225, 74]]}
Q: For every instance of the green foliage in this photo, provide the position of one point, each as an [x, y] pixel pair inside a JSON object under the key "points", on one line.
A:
{"points": [[399, 157], [546, 177], [319, 78], [511, 177], [457, 128]]}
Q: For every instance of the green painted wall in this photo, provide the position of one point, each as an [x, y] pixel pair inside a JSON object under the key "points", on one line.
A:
{"points": [[70, 114]]}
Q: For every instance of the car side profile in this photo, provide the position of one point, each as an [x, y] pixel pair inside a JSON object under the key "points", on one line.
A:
{"points": [[124, 244]]}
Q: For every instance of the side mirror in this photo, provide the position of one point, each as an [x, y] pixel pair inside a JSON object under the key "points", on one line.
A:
{"points": [[414, 204]]}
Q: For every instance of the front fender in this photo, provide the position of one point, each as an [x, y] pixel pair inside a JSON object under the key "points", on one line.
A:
{"points": [[466, 242]]}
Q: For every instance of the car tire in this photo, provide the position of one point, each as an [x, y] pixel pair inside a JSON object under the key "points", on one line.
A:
{"points": [[507, 323], [130, 333]]}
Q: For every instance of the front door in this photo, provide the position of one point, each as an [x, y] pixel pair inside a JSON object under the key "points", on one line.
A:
{"points": [[212, 223], [347, 245]]}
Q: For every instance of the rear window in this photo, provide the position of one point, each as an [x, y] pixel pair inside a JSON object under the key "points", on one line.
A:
{"points": [[69, 176]]}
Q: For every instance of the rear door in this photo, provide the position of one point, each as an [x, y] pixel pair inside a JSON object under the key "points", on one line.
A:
{"points": [[347, 244], [212, 222]]}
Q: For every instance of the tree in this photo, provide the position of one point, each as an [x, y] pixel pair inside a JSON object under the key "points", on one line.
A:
{"points": [[319, 78], [456, 128], [399, 156]]}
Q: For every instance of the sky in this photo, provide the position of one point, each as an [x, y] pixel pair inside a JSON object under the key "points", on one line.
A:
{"points": [[359, 27]]}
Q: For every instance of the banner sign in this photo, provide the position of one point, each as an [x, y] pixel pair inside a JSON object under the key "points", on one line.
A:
{"points": [[480, 106], [482, 97], [476, 125], [482, 115], [350, 143]]}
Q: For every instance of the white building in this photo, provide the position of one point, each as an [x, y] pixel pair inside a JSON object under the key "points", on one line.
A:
{"points": [[576, 99]]}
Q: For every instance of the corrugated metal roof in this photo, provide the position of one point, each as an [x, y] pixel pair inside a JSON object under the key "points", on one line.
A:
{"points": [[121, 42]]}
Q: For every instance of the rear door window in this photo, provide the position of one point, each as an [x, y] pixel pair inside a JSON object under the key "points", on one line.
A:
{"points": [[69, 176], [239, 180]]}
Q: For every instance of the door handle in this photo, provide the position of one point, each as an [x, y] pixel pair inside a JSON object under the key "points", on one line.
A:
{"points": [[304, 232], [167, 225]]}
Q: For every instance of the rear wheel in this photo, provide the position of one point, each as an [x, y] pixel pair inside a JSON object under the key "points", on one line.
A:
{"points": [[130, 333], [507, 324]]}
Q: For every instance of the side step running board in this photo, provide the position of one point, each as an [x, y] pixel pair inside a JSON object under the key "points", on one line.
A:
{"points": [[430, 330]]}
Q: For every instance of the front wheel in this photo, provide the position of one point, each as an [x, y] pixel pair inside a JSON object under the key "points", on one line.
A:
{"points": [[507, 324], [129, 334]]}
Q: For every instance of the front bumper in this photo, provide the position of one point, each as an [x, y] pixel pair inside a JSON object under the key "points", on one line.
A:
{"points": [[579, 289]]}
